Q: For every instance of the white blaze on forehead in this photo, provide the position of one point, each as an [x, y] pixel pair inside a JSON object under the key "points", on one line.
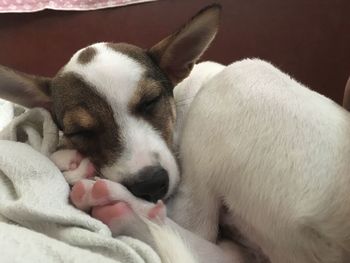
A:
{"points": [[114, 75]]}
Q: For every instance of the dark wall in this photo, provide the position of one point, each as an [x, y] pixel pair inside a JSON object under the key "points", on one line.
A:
{"points": [[309, 39]]}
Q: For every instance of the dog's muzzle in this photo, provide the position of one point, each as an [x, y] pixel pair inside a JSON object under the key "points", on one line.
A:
{"points": [[150, 184]]}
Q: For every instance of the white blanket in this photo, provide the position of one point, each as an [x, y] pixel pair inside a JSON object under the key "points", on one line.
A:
{"points": [[6, 113], [37, 222]]}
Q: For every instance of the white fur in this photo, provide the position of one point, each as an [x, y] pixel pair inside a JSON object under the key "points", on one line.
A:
{"points": [[175, 244], [277, 154], [116, 76], [73, 166], [187, 89], [174, 249]]}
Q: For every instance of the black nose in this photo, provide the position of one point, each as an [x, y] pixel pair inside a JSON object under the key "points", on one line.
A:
{"points": [[151, 184]]}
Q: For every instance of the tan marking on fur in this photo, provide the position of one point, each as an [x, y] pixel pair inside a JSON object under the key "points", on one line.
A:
{"points": [[162, 114], [78, 117], [87, 55], [147, 89]]}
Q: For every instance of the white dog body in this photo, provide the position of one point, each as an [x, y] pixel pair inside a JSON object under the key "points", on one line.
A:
{"points": [[186, 90], [277, 155]]}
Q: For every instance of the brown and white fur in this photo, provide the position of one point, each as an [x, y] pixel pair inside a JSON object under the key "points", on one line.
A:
{"points": [[114, 104], [274, 153]]}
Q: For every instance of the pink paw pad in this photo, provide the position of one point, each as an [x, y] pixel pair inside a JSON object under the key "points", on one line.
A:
{"points": [[100, 191], [109, 213], [78, 192]]}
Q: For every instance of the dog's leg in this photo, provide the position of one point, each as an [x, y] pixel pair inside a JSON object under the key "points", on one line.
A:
{"points": [[73, 165], [114, 205]]}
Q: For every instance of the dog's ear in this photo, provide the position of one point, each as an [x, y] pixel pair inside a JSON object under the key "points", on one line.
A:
{"points": [[177, 53], [346, 98], [27, 90]]}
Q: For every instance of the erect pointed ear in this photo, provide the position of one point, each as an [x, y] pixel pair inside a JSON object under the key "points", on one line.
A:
{"points": [[346, 98], [27, 90], [177, 53]]}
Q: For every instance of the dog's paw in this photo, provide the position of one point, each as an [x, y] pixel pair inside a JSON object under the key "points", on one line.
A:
{"points": [[73, 165], [115, 206]]}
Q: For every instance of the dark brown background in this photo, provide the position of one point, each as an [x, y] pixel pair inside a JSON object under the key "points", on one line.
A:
{"points": [[309, 39]]}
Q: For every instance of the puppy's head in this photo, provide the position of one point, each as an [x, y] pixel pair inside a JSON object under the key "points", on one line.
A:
{"points": [[114, 103]]}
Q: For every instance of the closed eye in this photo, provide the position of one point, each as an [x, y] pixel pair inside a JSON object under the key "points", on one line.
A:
{"points": [[81, 133], [148, 104]]}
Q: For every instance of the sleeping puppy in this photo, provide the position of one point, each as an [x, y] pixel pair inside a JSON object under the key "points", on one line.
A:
{"points": [[114, 105], [270, 151]]}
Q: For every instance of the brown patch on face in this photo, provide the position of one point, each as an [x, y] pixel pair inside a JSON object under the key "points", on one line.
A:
{"points": [[87, 55], [86, 119], [153, 101]]}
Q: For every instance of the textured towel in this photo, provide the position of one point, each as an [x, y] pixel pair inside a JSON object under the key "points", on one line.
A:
{"points": [[37, 223], [6, 113], [20, 6]]}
